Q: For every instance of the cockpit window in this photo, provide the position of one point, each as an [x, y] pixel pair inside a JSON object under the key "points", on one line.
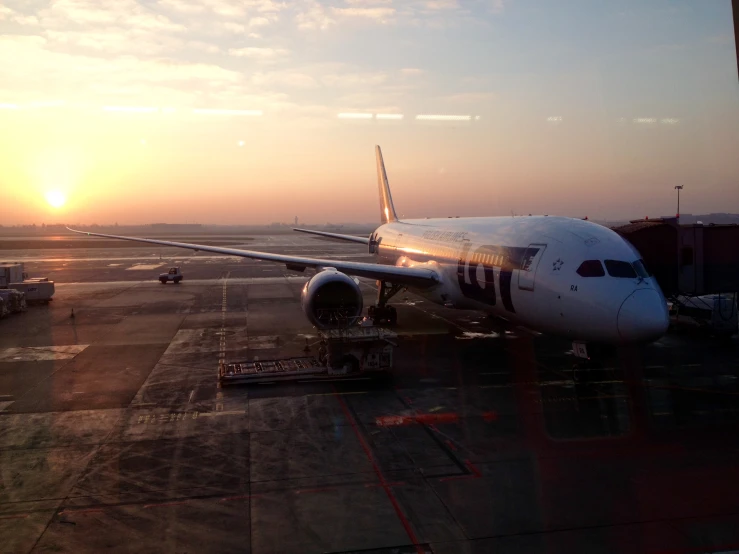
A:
{"points": [[591, 268], [641, 269], [620, 269]]}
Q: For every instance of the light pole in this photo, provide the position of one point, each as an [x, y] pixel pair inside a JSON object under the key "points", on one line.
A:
{"points": [[678, 188]]}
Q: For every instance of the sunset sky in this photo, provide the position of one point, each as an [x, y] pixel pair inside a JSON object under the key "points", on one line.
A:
{"points": [[221, 111]]}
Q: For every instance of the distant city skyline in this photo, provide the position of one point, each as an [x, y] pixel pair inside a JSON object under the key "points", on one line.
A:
{"points": [[253, 111]]}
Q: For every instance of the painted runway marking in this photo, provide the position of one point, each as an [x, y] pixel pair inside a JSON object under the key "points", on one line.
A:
{"points": [[143, 267], [224, 307], [41, 353]]}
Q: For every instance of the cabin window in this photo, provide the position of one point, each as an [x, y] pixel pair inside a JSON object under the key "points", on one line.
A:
{"points": [[591, 268], [617, 268], [641, 269]]}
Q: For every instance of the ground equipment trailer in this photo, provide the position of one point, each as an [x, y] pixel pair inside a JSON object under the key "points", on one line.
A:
{"points": [[38, 290], [341, 353]]}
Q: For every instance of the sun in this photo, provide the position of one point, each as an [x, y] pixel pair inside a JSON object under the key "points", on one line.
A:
{"points": [[55, 198]]}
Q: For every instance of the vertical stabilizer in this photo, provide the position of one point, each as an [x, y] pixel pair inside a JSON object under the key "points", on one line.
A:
{"points": [[387, 210]]}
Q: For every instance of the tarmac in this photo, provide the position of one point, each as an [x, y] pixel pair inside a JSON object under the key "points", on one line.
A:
{"points": [[116, 436]]}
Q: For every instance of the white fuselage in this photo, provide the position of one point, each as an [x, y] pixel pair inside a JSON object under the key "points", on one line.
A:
{"points": [[525, 270]]}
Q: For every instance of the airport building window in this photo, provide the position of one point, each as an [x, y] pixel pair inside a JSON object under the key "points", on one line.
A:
{"points": [[591, 268], [620, 269]]}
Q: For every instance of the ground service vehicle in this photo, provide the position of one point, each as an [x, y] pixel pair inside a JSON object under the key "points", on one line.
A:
{"points": [[173, 275]]}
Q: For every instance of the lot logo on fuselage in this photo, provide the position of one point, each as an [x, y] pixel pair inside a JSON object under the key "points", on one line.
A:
{"points": [[488, 257]]}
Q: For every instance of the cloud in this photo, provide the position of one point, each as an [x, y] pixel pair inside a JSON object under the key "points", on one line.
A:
{"points": [[128, 41], [258, 22], [8, 14], [442, 4], [497, 6], [259, 54], [313, 17], [204, 46], [284, 78], [412, 71], [469, 97], [34, 69], [232, 27], [353, 79], [227, 8], [383, 15], [183, 6], [71, 14]]}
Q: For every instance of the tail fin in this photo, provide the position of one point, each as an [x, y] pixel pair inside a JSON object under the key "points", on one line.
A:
{"points": [[387, 210]]}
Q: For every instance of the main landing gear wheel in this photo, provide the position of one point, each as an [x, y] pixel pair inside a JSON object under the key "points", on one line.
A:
{"points": [[386, 315], [382, 314]]}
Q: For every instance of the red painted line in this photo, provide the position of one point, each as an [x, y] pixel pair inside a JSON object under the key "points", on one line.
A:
{"points": [[165, 504], [303, 491], [19, 516], [473, 469], [401, 516], [450, 444], [391, 421], [437, 418]]}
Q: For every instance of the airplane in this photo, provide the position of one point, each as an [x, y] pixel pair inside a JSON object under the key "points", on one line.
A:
{"points": [[555, 275]]}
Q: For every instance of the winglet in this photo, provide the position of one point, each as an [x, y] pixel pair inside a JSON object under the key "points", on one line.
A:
{"points": [[387, 210]]}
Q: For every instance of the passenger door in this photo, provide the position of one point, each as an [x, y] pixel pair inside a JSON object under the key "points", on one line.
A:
{"points": [[529, 263]]}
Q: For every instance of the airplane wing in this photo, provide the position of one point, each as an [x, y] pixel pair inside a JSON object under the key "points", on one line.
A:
{"points": [[350, 238], [417, 277]]}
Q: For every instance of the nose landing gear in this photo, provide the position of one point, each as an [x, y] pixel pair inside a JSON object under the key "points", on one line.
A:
{"points": [[588, 356]]}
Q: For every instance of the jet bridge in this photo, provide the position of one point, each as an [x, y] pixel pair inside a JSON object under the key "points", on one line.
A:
{"points": [[697, 267], [692, 260]]}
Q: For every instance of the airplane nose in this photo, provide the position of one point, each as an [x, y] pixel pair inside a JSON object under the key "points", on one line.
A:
{"points": [[643, 317]]}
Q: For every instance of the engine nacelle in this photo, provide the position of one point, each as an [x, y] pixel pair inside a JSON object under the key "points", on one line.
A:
{"points": [[332, 300]]}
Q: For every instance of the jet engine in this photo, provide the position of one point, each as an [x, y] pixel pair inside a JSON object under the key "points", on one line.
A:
{"points": [[331, 300]]}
